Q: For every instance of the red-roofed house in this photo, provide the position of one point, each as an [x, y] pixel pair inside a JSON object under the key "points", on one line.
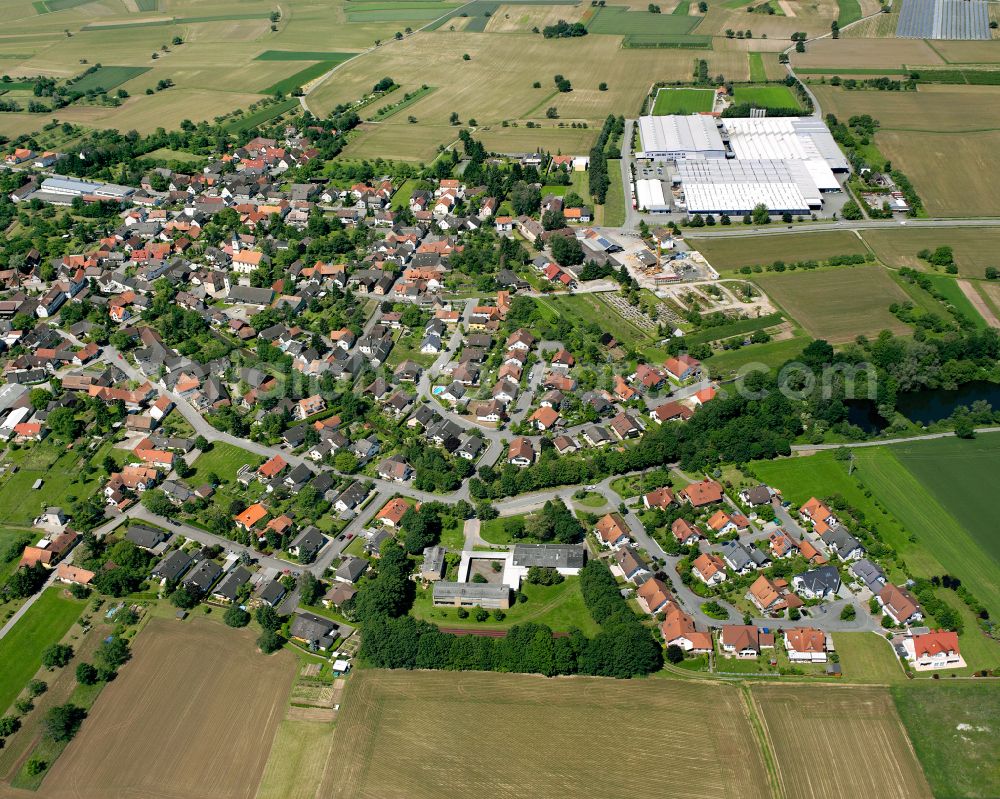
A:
{"points": [[702, 493], [682, 367], [806, 644], [937, 649]]}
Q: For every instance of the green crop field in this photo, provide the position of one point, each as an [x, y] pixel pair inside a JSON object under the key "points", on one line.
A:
{"points": [[941, 491], [620, 21], [837, 304], [683, 101], [300, 78], [262, 115], [303, 55], [44, 623], [757, 72], [108, 78], [850, 11], [766, 96], [953, 728], [953, 293]]}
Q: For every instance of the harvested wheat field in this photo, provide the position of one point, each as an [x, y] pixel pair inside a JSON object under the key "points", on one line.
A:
{"points": [[932, 108], [192, 715], [871, 53], [473, 735], [837, 304], [974, 248], [831, 742]]}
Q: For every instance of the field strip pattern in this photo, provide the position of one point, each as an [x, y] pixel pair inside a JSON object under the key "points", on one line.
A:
{"points": [[839, 742], [410, 734]]}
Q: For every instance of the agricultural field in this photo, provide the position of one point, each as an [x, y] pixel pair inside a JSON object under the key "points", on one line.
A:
{"points": [[683, 101], [934, 108], [522, 18], [511, 96], [766, 96], [108, 78], [974, 248], [837, 304], [953, 729], [955, 482], [43, 624], [862, 722], [870, 53], [620, 21], [725, 253], [166, 726], [592, 309], [297, 760], [966, 188], [401, 720]]}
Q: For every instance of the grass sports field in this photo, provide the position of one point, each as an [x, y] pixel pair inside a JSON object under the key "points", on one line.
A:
{"points": [[193, 714], [766, 96], [955, 482], [861, 720], [837, 304], [974, 248], [683, 101], [953, 730], [43, 624], [404, 721], [732, 253]]}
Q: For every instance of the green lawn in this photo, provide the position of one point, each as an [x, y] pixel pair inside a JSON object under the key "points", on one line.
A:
{"points": [[868, 658], [766, 96], [401, 199], [492, 530], [261, 115], [757, 72], [614, 201], [45, 623], [772, 355], [560, 607], [57, 467], [683, 101], [953, 728], [942, 492], [592, 308], [224, 460]]}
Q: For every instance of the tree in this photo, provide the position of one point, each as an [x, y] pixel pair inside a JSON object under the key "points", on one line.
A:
{"points": [[39, 398], [86, 674], [602, 86], [525, 198], [964, 427], [63, 424], [849, 613], [345, 462], [760, 214], [794, 614], [992, 273], [183, 598], [552, 112], [236, 617], [35, 766], [37, 687], [465, 56], [453, 119], [269, 641], [310, 589], [566, 251], [62, 722], [267, 617], [675, 654], [56, 656], [9, 725], [800, 46]]}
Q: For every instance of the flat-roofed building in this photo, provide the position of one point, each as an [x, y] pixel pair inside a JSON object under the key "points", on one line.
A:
{"points": [[465, 595], [678, 138]]}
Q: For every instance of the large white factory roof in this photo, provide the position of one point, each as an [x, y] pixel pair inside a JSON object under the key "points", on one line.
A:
{"points": [[741, 198], [769, 171], [791, 138], [649, 195], [694, 134]]}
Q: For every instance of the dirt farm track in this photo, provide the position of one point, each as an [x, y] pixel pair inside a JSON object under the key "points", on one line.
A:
{"points": [[192, 716]]}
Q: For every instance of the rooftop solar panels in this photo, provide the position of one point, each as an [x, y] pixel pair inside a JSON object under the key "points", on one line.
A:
{"points": [[943, 19]]}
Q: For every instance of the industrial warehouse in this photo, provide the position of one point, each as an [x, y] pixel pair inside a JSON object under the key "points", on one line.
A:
{"points": [[730, 166]]}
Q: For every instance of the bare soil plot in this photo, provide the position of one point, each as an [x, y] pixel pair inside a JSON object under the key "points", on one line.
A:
{"points": [[974, 248], [192, 715], [968, 187], [462, 735], [837, 304], [839, 742]]}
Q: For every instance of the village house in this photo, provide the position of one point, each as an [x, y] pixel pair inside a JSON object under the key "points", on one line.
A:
{"points": [[612, 530]]}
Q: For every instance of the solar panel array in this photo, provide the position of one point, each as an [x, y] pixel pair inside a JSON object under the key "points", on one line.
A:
{"points": [[944, 19]]}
